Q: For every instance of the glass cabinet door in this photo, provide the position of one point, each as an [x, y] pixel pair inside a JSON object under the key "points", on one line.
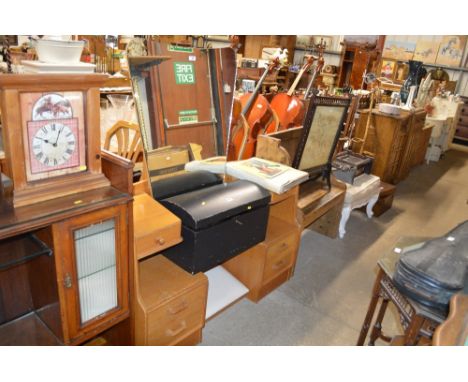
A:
{"points": [[96, 270], [93, 270]]}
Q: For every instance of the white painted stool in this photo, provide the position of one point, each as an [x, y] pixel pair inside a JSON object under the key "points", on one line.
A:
{"points": [[365, 190]]}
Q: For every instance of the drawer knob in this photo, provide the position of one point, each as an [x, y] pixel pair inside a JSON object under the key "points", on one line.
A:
{"points": [[174, 332], [161, 241], [179, 308], [279, 264]]}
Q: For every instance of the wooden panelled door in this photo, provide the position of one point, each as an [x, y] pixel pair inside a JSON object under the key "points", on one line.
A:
{"points": [[184, 99]]}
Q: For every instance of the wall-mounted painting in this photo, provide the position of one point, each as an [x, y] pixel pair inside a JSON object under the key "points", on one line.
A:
{"points": [[426, 51], [399, 50], [451, 50]]}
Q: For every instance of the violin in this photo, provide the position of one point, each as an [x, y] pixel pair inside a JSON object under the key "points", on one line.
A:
{"points": [[289, 108], [255, 114]]}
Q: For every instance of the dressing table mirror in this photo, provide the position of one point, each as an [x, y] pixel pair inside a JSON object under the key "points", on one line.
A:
{"points": [[183, 97]]}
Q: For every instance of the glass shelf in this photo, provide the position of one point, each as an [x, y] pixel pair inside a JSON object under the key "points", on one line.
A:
{"points": [[20, 249]]}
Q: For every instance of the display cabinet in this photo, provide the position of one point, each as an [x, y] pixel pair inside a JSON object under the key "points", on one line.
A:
{"points": [[64, 267], [356, 60], [416, 144], [395, 141]]}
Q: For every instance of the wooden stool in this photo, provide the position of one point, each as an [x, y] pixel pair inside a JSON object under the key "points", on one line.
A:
{"points": [[364, 191], [419, 322]]}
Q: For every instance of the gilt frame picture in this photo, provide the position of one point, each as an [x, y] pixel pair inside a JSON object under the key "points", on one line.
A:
{"points": [[322, 126], [387, 69]]}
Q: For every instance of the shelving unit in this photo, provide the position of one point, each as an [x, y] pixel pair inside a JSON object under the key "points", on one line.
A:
{"points": [[20, 249], [224, 290]]}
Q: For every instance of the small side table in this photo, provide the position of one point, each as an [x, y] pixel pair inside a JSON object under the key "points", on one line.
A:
{"points": [[417, 320], [365, 190]]}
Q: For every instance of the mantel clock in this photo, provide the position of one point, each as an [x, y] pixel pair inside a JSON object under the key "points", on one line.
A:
{"points": [[52, 134]]}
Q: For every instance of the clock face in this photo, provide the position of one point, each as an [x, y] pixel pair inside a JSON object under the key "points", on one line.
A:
{"points": [[55, 135], [54, 145]]}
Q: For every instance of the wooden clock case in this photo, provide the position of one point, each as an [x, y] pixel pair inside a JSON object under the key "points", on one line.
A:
{"points": [[11, 87]]}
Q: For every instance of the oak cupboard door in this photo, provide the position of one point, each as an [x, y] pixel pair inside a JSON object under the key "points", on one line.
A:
{"points": [[92, 272]]}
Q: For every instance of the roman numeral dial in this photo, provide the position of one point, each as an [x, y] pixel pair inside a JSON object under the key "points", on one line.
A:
{"points": [[54, 144]]}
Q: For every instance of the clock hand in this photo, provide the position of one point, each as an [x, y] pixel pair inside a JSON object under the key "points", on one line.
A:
{"points": [[58, 135], [42, 139]]}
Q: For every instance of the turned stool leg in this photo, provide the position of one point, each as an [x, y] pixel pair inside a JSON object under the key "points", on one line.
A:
{"points": [[370, 312], [377, 329], [412, 332]]}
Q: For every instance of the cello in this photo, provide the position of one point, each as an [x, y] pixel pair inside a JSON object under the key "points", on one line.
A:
{"points": [[251, 114], [289, 108]]}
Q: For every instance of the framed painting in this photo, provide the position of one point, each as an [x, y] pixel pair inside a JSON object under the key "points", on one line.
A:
{"points": [[451, 50], [399, 50], [387, 70], [426, 51], [322, 126], [401, 72]]}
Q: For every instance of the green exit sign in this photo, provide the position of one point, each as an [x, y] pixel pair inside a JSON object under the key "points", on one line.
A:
{"points": [[184, 73]]}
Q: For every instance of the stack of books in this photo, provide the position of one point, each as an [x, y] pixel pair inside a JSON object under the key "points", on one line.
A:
{"points": [[273, 176]]}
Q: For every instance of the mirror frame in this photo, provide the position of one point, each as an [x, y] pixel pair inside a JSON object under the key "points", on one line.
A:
{"points": [[339, 106]]}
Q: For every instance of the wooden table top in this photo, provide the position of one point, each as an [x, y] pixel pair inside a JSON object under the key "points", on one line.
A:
{"points": [[14, 221]]}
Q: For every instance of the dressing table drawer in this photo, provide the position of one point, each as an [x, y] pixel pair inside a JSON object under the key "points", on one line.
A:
{"points": [[280, 256], [155, 242], [155, 228], [171, 305], [177, 319]]}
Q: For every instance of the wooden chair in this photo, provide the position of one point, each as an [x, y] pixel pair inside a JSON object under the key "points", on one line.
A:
{"points": [[129, 145], [124, 139]]}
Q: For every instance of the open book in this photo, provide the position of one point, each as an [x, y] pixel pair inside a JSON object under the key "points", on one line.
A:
{"points": [[273, 176]]}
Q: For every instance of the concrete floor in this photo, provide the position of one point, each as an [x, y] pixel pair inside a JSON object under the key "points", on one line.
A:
{"points": [[326, 300]]}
